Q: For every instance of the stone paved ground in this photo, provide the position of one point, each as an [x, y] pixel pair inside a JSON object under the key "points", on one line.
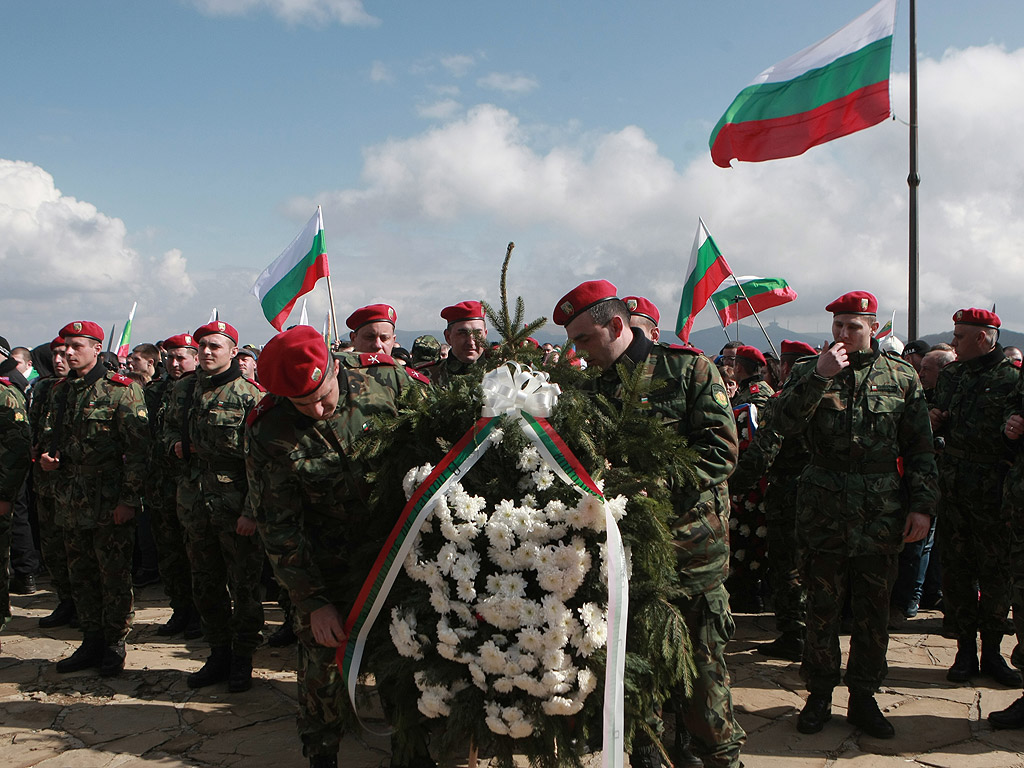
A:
{"points": [[148, 717]]}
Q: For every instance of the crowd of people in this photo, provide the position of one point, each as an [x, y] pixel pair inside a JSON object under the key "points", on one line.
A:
{"points": [[877, 478]]}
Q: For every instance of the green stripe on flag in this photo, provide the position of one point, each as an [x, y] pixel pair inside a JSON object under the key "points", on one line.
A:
{"points": [[290, 285]]}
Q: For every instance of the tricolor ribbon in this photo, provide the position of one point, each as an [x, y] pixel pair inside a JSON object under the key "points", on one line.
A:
{"points": [[527, 396]]}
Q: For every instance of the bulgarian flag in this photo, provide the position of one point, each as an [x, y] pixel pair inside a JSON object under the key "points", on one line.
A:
{"points": [[836, 87], [124, 348], [762, 293], [293, 273], [706, 272], [886, 329]]}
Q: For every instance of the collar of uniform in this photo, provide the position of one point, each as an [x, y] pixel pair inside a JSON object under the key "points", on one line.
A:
{"points": [[98, 372], [458, 367], [637, 351], [755, 379], [9, 370], [862, 358], [988, 360], [224, 377]]}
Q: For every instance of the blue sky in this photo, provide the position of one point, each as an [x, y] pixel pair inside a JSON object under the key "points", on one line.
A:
{"points": [[186, 143]]}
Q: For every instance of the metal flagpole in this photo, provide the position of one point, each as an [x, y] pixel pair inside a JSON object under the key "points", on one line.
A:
{"points": [[913, 181], [330, 290], [754, 313], [722, 323], [110, 339]]}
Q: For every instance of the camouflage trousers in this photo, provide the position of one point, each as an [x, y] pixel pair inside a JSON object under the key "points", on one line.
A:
{"points": [[785, 558], [716, 735], [100, 565], [869, 579], [172, 555], [5, 567], [52, 546], [1014, 509], [974, 536], [325, 713]]}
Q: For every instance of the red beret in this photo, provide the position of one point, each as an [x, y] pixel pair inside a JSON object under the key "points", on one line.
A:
{"points": [[217, 326], [464, 310], [57, 342], [750, 353], [294, 363], [375, 313], [638, 305], [581, 298], [179, 341], [82, 328], [798, 348], [975, 316], [854, 303]]}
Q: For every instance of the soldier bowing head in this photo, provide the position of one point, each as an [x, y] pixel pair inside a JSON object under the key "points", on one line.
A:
{"points": [[296, 364], [596, 321]]}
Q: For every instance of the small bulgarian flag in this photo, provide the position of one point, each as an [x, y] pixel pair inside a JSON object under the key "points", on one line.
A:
{"points": [[124, 348], [886, 329], [836, 87], [293, 273], [762, 293], [706, 272]]}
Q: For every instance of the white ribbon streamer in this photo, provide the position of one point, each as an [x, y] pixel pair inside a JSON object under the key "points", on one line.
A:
{"points": [[512, 388]]}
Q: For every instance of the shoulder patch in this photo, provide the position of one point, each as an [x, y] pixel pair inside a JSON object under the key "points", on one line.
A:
{"points": [[368, 359], [261, 408], [19, 416], [718, 392], [121, 379], [417, 376]]}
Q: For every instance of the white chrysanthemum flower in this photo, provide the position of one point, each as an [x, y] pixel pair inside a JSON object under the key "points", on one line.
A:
{"points": [[617, 506], [529, 501], [492, 660], [520, 729], [448, 651], [529, 459], [414, 477], [560, 706], [531, 614], [744, 530], [500, 536], [496, 436], [504, 559], [466, 566], [504, 513], [740, 554], [530, 640], [555, 511], [431, 704], [465, 590], [555, 680], [761, 532], [734, 523], [403, 634], [446, 557], [754, 565], [445, 633], [503, 685], [479, 678], [587, 681], [528, 662], [543, 478], [591, 613], [497, 725]]}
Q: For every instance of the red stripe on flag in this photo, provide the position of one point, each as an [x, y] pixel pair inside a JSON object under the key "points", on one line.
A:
{"points": [[757, 140], [715, 275], [318, 269]]}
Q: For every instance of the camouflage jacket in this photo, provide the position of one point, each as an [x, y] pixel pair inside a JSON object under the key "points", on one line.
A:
{"points": [[38, 407], [210, 411], [99, 425], [755, 391], [442, 371], [384, 369], [687, 395], [302, 480], [780, 460], [157, 393], [857, 424], [15, 446], [1013, 489], [976, 393]]}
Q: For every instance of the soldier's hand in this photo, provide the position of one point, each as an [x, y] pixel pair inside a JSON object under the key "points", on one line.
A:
{"points": [[327, 627], [48, 462], [1014, 427], [123, 514], [917, 527], [5, 508], [832, 360], [178, 451], [937, 418], [245, 526]]}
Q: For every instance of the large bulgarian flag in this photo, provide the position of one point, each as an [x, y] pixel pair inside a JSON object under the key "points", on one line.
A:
{"points": [[293, 273], [124, 347], [707, 271], [836, 87], [761, 293]]}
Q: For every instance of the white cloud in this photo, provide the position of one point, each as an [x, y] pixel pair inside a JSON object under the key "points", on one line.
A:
{"points": [[439, 110], [442, 204], [458, 65], [381, 73], [500, 81], [346, 12]]}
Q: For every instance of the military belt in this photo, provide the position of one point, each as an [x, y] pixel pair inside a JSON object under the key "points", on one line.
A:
{"points": [[854, 467], [221, 465], [977, 458]]}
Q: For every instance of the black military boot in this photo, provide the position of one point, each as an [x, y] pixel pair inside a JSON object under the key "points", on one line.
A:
{"points": [[89, 654], [194, 628], [284, 635], [177, 623], [863, 712], [323, 761], [965, 665], [240, 674], [994, 665], [682, 757], [216, 669], [112, 662], [816, 712], [1011, 717], [61, 615], [789, 645]]}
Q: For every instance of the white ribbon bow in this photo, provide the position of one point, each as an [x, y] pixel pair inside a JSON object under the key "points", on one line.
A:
{"points": [[512, 388]]}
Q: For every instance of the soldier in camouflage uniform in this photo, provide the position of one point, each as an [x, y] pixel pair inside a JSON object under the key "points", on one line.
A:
{"points": [[51, 535], [748, 366], [781, 461], [15, 461], [373, 328], [1013, 509], [973, 529], [303, 483], [860, 411], [467, 335], [205, 421], [95, 440], [161, 494], [688, 395]]}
